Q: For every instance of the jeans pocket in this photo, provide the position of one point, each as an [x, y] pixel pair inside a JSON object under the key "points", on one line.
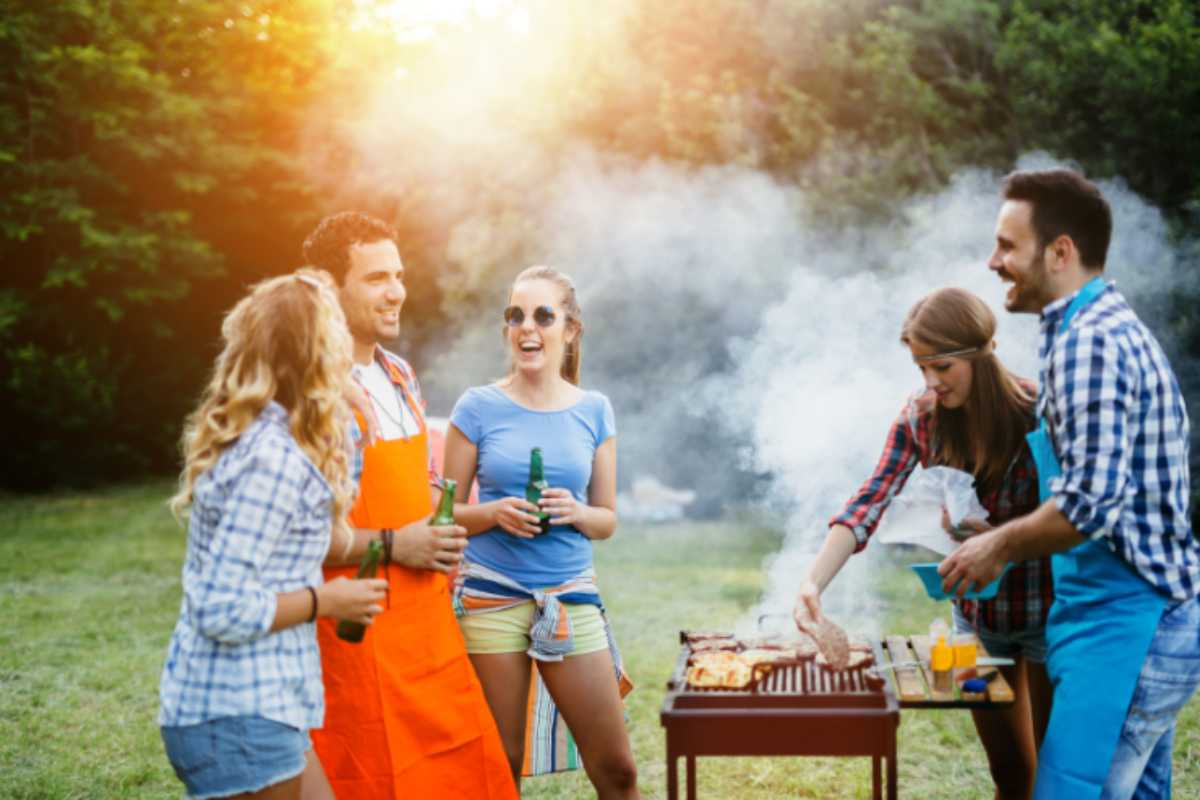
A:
{"points": [[190, 748], [1182, 615], [1176, 644], [1149, 717]]}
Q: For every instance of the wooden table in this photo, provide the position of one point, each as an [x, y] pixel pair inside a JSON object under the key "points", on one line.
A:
{"points": [[913, 685]]}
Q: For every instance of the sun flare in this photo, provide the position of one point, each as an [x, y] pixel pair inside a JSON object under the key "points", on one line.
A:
{"points": [[423, 19]]}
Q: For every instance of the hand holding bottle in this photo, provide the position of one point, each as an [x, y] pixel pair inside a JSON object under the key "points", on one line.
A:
{"points": [[420, 545], [351, 600], [561, 505], [517, 516]]}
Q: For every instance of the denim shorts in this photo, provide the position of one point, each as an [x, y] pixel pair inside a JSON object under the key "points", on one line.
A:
{"points": [[1029, 643], [233, 755], [1141, 766]]}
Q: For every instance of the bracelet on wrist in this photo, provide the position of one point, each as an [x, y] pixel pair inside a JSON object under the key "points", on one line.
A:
{"points": [[386, 537]]}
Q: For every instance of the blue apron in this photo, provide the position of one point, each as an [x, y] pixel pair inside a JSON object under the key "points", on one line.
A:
{"points": [[1097, 635]]}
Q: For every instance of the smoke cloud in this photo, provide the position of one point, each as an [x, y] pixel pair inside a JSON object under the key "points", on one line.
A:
{"points": [[754, 357], [751, 352]]}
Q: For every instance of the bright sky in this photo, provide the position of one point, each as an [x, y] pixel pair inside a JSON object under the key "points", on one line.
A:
{"points": [[419, 19]]}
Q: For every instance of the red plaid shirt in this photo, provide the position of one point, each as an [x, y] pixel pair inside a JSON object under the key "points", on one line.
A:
{"points": [[1027, 591]]}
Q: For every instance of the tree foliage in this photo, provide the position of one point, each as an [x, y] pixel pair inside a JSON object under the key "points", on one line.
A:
{"points": [[146, 150], [155, 157]]}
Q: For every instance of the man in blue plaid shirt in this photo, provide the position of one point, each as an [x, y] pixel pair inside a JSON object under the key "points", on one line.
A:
{"points": [[1112, 456]]}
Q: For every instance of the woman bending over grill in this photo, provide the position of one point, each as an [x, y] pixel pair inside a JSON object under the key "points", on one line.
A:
{"points": [[972, 415], [524, 594], [267, 480]]}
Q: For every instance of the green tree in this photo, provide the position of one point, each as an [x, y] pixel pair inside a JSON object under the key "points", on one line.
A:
{"points": [[144, 147], [1113, 84]]}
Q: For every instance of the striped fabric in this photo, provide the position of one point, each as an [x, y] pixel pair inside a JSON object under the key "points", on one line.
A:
{"points": [[549, 746]]}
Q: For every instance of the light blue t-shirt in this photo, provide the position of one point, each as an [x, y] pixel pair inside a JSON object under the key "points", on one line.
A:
{"points": [[503, 433]]}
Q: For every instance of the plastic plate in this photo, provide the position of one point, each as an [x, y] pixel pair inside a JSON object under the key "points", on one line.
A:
{"points": [[933, 583]]}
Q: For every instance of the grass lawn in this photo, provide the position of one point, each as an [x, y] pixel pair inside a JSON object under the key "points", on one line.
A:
{"points": [[89, 585]]}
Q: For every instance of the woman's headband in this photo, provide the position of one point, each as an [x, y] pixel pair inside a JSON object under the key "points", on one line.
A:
{"points": [[966, 351]]}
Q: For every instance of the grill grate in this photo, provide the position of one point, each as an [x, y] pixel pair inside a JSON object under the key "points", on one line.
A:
{"points": [[805, 677]]}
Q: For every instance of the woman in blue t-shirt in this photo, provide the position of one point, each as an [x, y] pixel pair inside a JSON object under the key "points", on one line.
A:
{"points": [[492, 431]]}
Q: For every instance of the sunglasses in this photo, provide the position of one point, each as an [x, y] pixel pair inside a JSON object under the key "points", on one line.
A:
{"points": [[544, 316]]}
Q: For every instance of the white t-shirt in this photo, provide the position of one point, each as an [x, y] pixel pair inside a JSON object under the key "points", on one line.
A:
{"points": [[396, 421]]}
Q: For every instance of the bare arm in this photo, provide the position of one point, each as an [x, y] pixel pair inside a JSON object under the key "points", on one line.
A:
{"points": [[339, 556], [838, 547]]}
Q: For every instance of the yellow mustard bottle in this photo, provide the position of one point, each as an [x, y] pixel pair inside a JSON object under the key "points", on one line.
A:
{"points": [[941, 663]]}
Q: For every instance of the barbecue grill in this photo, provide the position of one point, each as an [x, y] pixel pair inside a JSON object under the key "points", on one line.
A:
{"points": [[791, 708]]}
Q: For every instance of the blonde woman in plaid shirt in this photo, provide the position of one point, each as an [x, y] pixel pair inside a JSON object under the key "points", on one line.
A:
{"points": [[266, 479], [973, 416]]}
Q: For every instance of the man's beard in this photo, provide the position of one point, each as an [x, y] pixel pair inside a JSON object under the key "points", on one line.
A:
{"points": [[1030, 288]]}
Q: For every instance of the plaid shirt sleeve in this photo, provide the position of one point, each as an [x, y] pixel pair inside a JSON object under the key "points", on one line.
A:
{"points": [[900, 457], [228, 601], [1091, 394]]}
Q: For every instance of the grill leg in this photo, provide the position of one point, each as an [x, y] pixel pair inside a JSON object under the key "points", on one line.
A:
{"points": [[876, 777], [891, 766], [691, 777], [672, 778]]}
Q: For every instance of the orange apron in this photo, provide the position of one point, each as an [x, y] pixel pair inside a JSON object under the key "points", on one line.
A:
{"points": [[405, 715]]}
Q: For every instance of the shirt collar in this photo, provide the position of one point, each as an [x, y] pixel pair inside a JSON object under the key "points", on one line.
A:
{"points": [[391, 370], [275, 413], [1053, 313]]}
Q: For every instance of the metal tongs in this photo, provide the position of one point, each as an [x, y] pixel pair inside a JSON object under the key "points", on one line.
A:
{"points": [[986, 661]]}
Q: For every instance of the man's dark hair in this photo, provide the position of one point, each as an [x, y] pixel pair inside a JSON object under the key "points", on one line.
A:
{"points": [[1065, 202], [328, 246]]}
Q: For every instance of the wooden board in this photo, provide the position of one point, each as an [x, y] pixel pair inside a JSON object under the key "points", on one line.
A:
{"points": [[909, 682], [913, 685], [998, 689], [922, 646]]}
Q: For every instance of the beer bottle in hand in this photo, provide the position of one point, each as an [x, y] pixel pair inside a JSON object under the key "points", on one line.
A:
{"points": [[537, 483], [445, 509], [354, 631]]}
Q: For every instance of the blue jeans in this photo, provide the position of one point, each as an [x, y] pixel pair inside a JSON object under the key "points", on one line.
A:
{"points": [[1141, 767]]}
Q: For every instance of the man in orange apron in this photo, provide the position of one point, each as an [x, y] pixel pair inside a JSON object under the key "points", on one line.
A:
{"points": [[405, 714]]}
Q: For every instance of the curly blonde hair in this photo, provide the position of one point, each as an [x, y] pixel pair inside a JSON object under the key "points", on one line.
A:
{"points": [[286, 341]]}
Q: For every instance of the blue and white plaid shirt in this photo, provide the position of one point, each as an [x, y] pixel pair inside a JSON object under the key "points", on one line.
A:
{"points": [[1120, 428], [260, 525]]}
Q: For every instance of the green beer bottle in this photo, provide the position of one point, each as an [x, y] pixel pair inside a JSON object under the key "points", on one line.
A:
{"points": [[537, 484], [354, 631], [445, 510]]}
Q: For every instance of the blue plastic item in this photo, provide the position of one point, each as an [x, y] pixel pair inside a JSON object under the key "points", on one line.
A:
{"points": [[974, 685], [933, 583]]}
